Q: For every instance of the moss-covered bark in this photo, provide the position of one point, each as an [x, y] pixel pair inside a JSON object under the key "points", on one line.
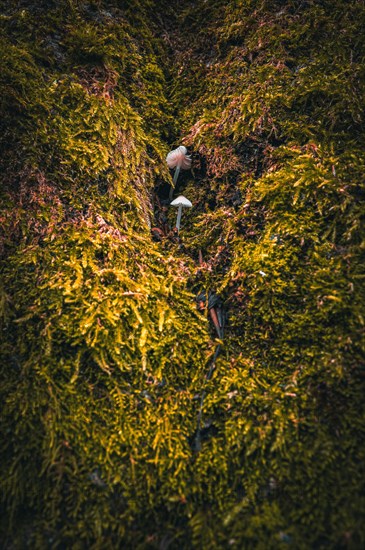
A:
{"points": [[103, 353]]}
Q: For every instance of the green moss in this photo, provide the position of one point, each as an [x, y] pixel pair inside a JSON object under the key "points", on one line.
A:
{"points": [[104, 356]]}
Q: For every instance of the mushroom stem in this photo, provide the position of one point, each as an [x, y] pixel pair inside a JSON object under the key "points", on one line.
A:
{"points": [[178, 218], [176, 175]]}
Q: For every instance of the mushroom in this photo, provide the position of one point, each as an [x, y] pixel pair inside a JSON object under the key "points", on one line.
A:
{"points": [[181, 202], [177, 159]]}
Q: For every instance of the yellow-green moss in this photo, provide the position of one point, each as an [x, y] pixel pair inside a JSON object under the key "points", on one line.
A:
{"points": [[103, 353]]}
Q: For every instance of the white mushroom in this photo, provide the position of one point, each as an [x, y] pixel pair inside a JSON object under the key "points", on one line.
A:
{"points": [[181, 202], [178, 159]]}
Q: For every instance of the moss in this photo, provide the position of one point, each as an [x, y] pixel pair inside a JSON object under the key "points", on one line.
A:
{"points": [[277, 205], [104, 356]]}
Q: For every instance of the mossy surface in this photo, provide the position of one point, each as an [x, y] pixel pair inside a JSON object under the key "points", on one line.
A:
{"points": [[104, 355]]}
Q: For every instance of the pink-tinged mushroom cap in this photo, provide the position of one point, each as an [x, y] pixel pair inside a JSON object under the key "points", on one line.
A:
{"points": [[179, 158]]}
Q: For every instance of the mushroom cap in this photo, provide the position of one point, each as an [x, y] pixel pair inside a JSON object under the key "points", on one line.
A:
{"points": [[178, 157], [181, 200]]}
